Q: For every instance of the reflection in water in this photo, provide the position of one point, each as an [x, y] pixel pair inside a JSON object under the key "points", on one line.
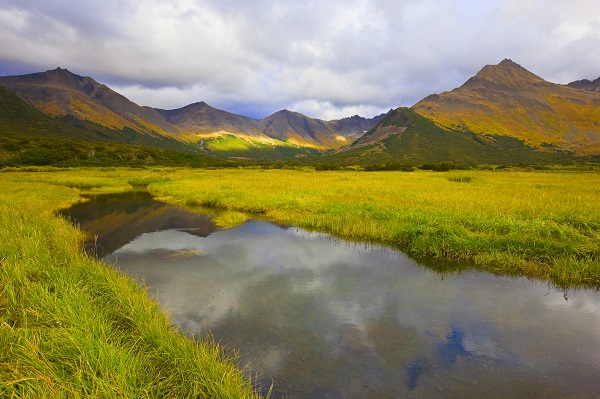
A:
{"points": [[322, 318], [115, 220], [453, 348]]}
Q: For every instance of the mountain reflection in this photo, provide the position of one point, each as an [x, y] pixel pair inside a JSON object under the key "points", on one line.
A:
{"points": [[114, 220]]}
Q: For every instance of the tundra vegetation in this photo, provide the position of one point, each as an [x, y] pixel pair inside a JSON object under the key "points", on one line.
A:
{"points": [[70, 326]]}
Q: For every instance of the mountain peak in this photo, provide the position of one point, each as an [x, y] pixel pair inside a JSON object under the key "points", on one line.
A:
{"points": [[507, 62], [61, 72], [507, 73]]}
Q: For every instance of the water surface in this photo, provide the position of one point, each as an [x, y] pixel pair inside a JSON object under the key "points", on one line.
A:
{"points": [[322, 318]]}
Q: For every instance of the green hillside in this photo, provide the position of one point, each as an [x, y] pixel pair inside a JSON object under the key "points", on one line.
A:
{"points": [[231, 146], [508, 100], [413, 139], [30, 137]]}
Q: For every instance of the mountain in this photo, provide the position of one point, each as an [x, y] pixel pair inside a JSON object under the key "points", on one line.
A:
{"points": [[354, 126], [30, 137], [504, 114], [586, 84], [19, 119], [405, 137], [61, 93], [202, 119], [94, 107], [507, 100], [297, 128]]}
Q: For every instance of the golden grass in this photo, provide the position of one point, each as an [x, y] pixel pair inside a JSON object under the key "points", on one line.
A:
{"points": [[531, 223]]}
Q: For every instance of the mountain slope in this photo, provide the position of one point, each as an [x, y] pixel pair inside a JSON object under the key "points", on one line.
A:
{"points": [[404, 136], [297, 128], [60, 93], [30, 137], [19, 119], [91, 106], [508, 100], [201, 119]]}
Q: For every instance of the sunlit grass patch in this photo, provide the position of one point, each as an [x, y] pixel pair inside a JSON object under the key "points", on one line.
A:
{"points": [[230, 219]]}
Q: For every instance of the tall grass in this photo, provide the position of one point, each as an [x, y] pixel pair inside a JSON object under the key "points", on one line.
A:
{"points": [[544, 225], [72, 327]]}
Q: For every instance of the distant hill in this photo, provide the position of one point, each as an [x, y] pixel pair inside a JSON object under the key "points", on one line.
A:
{"points": [[201, 119], [297, 128], [354, 126], [586, 84], [507, 100], [403, 136]]}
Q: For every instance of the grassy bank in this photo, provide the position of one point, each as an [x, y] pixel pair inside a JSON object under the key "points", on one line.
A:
{"points": [[71, 327], [543, 224]]}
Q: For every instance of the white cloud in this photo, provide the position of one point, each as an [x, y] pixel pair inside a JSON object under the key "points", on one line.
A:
{"points": [[327, 111], [341, 55]]}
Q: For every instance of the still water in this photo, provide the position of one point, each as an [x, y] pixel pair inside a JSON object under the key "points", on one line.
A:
{"points": [[318, 317]]}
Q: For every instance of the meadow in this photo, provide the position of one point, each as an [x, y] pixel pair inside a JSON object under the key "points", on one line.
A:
{"points": [[539, 224], [70, 326]]}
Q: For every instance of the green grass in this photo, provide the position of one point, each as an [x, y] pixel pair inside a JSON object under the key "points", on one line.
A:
{"points": [[541, 224], [71, 326], [230, 146]]}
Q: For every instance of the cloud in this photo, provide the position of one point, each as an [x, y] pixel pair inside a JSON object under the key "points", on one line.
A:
{"points": [[268, 55]]}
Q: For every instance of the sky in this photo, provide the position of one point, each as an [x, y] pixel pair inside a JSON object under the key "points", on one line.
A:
{"points": [[326, 59]]}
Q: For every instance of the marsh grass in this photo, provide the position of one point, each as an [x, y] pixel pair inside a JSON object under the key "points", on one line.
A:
{"points": [[542, 224], [72, 327], [539, 224]]}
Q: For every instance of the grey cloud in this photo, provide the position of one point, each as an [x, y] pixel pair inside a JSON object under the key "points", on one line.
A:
{"points": [[338, 55]]}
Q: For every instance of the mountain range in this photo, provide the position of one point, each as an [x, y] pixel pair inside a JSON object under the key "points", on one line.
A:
{"points": [[60, 93], [503, 114]]}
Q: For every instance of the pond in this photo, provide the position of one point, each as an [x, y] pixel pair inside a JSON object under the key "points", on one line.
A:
{"points": [[319, 317]]}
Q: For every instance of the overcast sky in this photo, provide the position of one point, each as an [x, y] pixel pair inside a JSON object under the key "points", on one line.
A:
{"points": [[327, 59]]}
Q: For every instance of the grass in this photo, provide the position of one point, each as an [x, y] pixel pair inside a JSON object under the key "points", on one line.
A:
{"points": [[71, 326], [230, 146], [541, 224]]}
